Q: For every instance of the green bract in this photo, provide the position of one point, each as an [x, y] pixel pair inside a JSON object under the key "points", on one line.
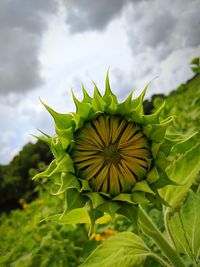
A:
{"points": [[109, 156]]}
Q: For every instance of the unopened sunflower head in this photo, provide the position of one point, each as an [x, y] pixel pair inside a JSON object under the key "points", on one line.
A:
{"points": [[108, 155]]}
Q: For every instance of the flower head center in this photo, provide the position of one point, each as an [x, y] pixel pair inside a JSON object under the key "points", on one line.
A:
{"points": [[111, 154]]}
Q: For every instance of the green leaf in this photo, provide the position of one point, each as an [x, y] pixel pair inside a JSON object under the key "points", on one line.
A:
{"points": [[183, 171], [74, 200], [124, 249], [75, 216], [185, 228]]}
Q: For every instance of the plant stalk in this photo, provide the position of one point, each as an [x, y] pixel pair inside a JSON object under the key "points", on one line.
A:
{"points": [[151, 230]]}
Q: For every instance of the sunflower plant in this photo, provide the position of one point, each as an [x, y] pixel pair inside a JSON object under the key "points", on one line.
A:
{"points": [[111, 158]]}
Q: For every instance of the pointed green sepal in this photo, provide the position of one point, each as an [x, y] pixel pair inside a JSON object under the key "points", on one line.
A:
{"points": [[95, 198], [68, 180], [82, 108], [153, 175], [162, 161], [47, 172], [153, 118], [125, 107], [73, 200], [129, 211], [143, 187], [86, 97], [125, 197], [163, 181], [94, 216], [62, 121], [139, 198], [64, 165], [85, 186], [65, 136], [98, 103], [109, 207]]}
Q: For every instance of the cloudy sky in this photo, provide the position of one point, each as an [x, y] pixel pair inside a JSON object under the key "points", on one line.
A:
{"points": [[48, 47]]}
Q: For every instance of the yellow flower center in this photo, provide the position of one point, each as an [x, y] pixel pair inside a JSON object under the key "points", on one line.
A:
{"points": [[111, 154]]}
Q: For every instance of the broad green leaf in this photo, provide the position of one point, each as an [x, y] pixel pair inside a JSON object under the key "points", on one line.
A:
{"points": [[183, 171], [77, 216], [185, 227], [124, 249]]}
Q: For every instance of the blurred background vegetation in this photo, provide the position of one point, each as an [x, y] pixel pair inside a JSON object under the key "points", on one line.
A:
{"points": [[26, 239]]}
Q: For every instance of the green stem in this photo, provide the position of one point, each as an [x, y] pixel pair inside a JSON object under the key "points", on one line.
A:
{"points": [[151, 230], [166, 213], [160, 260]]}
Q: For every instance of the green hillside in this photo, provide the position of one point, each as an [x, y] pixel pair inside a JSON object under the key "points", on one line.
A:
{"points": [[25, 241]]}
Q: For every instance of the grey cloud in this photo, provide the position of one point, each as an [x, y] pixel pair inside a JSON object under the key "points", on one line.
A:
{"points": [[92, 15], [163, 26], [22, 24]]}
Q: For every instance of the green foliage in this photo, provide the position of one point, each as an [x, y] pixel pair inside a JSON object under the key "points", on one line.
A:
{"points": [[28, 242], [15, 180]]}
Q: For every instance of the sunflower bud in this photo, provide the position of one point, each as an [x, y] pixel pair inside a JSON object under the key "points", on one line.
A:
{"points": [[108, 155]]}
